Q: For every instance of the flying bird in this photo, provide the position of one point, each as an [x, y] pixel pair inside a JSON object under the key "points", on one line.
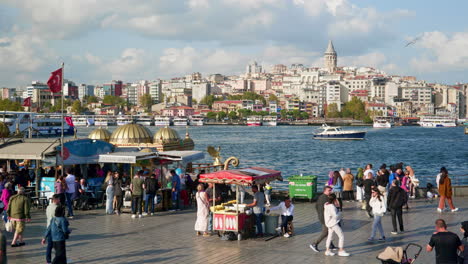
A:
{"points": [[413, 41]]}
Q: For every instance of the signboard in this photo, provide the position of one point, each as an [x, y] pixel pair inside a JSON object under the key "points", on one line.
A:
{"points": [[83, 151]]}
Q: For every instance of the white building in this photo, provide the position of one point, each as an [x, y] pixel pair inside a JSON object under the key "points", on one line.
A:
{"points": [[200, 90], [85, 90]]}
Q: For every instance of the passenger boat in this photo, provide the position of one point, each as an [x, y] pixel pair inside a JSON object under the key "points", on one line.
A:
{"points": [[104, 120], [328, 132], [124, 120], [144, 120], [438, 121], [80, 120], [43, 125], [254, 121], [180, 121], [197, 120], [162, 121], [270, 121], [383, 122]]}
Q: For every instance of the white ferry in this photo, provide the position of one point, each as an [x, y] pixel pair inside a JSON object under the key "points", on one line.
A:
{"points": [[124, 120], [80, 120], [328, 132], [254, 121], [383, 122], [144, 120], [438, 121], [104, 120], [197, 120], [43, 125], [162, 121], [180, 121], [270, 121]]}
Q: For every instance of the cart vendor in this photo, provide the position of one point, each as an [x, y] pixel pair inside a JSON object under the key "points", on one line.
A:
{"points": [[212, 195], [287, 212], [258, 206]]}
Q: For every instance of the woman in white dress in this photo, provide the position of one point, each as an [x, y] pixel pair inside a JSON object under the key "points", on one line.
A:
{"points": [[203, 211]]}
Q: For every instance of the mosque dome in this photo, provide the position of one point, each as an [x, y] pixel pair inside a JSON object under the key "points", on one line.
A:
{"points": [[100, 134], [166, 135], [4, 130], [131, 134]]}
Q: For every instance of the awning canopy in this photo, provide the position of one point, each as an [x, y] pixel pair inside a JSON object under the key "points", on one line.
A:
{"points": [[185, 156], [246, 176], [126, 157], [28, 149]]}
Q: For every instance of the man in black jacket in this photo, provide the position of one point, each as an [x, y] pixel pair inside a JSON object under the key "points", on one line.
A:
{"points": [[319, 206], [395, 200]]}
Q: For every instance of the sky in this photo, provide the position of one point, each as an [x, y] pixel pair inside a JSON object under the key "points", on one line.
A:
{"points": [[131, 40]]}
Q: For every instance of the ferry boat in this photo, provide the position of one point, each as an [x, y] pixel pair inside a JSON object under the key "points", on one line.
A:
{"points": [[145, 120], [383, 122], [124, 120], [438, 121], [80, 120], [43, 125], [329, 132], [197, 120], [180, 121], [270, 121], [104, 120], [254, 121], [162, 121]]}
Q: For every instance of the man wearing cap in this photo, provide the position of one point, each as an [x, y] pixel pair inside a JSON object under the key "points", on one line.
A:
{"points": [[18, 213]]}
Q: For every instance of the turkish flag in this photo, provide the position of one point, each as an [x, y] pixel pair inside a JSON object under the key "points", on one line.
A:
{"points": [[27, 102], [55, 81], [69, 121]]}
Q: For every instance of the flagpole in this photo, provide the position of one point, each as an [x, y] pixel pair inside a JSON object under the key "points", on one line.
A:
{"points": [[61, 137]]}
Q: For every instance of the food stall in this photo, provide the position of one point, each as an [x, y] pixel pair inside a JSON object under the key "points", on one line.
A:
{"points": [[232, 216]]}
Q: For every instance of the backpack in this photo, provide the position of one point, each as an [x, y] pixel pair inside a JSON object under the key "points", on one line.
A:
{"points": [[151, 186]]}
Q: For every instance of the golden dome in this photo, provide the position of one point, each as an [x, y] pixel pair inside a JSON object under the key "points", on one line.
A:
{"points": [[131, 134], [166, 134], [4, 130], [100, 134]]}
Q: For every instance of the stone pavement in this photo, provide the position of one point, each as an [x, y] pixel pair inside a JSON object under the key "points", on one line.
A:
{"points": [[169, 237]]}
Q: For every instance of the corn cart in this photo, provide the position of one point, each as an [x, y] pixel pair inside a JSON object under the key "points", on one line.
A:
{"points": [[232, 216]]}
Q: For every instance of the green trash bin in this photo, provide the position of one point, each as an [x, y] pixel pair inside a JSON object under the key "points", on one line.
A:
{"points": [[303, 187]]}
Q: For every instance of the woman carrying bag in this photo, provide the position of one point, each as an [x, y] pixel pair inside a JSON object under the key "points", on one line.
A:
{"points": [[379, 207]]}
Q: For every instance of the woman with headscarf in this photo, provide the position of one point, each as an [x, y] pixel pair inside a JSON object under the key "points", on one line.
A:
{"points": [[464, 230], [359, 187], [445, 191]]}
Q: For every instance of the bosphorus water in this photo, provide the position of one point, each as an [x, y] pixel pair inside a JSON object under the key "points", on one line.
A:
{"points": [[293, 151]]}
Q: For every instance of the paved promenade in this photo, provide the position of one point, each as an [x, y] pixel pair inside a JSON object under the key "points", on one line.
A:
{"points": [[168, 237]]}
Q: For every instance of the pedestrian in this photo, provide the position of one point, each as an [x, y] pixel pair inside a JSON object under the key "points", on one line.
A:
{"points": [[258, 205], [118, 193], [137, 187], [319, 207], [382, 180], [60, 187], [405, 185], [464, 230], [203, 211], [3, 248], [332, 217], [5, 198], [414, 182], [287, 214], [70, 192], [369, 183], [360, 187], [395, 200], [18, 213], [379, 207], [50, 213], [267, 190], [348, 192], [337, 184], [445, 191], [176, 185], [445, 243], [109, 183], [151, 187], [59, 232]]}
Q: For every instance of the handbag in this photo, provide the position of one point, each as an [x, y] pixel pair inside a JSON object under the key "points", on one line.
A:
{"points": [[9, 226]]}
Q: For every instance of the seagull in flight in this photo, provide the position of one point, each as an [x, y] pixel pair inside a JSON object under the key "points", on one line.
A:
{"points": [[413, 41]]}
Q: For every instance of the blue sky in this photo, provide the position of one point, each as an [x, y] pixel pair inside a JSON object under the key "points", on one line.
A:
{"points": [[142, 39]]}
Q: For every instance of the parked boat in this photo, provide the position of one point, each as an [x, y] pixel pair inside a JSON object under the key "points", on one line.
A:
{"points": [[180, 121], [197, 120], [80, 120], [329, 132], [270, 121], [438, 121], [254, 121], [162, 121], [104, 120], [144, 120], [43, 125], [383, 122], [123, 120]]}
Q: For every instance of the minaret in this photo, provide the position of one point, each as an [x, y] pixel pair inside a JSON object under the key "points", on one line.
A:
{"points": [[330, 58]]}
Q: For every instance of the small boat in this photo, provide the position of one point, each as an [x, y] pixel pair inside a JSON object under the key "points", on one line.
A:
{"points": [[383, 122], [180, 121], [328, 132], [254, 121], [123, 120], [270, 121], [438, 121]]}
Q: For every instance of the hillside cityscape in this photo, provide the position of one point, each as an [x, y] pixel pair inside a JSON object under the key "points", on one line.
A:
{"points": [[303, 92]]}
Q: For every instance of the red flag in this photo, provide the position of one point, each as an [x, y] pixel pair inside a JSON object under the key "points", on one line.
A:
{"points": [[55, 81], [27, 102], [69, 121]]}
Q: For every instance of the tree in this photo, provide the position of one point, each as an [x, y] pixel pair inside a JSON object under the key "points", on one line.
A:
{"points": [[76, 107], [58, 105], [263, 113], [273, 97], [304, 115], [248, 96], [146, 101], [332, 111], [244, 112], [114, 100], [284, 114], [194, 101], [91, 99], [232, 115], [8, 105], [211, 115], [210, 99], [221, 115]]}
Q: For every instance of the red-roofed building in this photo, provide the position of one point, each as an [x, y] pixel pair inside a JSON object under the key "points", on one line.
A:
{"points": [[377, 108], [178, 111], [363, 95], [227, 106]]}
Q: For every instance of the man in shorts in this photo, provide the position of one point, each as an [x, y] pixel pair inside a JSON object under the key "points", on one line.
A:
{"points": [[18, 213]]}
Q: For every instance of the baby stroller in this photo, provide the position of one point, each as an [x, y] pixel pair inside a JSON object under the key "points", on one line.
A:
{"points": [[398, 255]]}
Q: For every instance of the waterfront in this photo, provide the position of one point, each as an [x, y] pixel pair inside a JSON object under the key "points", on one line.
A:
{"points": [[293, 151]]}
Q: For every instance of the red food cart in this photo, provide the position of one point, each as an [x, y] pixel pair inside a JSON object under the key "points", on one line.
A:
{"points": [[235, 220]]}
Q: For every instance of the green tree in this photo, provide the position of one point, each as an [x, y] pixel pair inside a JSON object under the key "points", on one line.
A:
{"points": [[273, 97], [244, 112], [210, 99], [248, 96], [332, 111], [304, 115], [57, 107], [232, 115], [8, 105], [146, 101], [77, 108], [284, 114], [194, 101], [91, 99], [221, 115], [211, 115], [262, 113], [114, 100]]}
